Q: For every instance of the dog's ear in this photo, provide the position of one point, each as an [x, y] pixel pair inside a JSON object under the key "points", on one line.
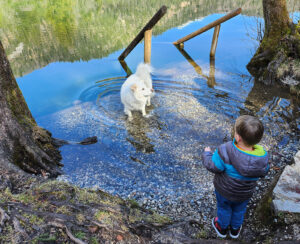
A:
{"points": [[133, 87]]}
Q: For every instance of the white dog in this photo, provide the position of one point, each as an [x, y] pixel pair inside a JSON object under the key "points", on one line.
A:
{"points": [[137, 90]]}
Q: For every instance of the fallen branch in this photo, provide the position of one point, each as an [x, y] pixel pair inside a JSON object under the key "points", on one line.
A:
{"points": [[73, 238]]}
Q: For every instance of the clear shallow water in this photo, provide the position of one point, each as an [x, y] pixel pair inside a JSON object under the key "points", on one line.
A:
{"points": [[195, 105]]}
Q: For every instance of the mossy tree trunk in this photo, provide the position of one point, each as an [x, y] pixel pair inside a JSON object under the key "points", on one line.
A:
{"points": [[23, 145], [279, 52], [277, 19]]}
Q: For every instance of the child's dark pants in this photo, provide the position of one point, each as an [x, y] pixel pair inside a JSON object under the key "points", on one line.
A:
{"points": [[230, 213]]}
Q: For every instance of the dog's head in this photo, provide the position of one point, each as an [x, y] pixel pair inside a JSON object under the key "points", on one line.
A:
{"points": [[140, 91]]}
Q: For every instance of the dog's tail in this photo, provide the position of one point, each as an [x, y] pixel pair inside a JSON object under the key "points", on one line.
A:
{"points": [[143, 69]]}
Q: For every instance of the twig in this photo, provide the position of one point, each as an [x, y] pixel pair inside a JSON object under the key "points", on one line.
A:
{"points": [[100, 225], [73, 238]]}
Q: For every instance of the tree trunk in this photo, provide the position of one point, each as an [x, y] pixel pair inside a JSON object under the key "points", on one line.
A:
{"points": [[23, 144], [276, 18], [279, 52]]}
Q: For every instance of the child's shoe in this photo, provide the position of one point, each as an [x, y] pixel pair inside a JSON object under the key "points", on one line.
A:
{"points": [[220, 232], [235, 233]]}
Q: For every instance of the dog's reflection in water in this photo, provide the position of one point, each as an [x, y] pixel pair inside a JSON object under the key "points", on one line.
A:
{"points": [[137, 130]]}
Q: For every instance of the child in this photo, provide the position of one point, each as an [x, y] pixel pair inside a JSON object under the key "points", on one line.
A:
{"points": [[237, 166]]}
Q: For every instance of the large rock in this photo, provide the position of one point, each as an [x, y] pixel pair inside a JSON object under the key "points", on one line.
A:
{"points": [[287, 191]]}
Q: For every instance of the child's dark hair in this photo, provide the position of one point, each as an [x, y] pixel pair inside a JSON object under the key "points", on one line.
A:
{"points": [[249, 128]]}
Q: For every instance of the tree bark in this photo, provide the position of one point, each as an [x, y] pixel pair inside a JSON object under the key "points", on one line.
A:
{"points": [[276, 18], [276, 58], [23, 145]]}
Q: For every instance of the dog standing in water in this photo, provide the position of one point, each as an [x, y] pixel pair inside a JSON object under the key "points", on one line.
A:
{"points": [[136, 91]]}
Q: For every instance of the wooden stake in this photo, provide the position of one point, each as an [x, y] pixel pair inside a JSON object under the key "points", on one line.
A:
{"points": [[215, 41], [147, 46], [211, 81], [159, 14]]}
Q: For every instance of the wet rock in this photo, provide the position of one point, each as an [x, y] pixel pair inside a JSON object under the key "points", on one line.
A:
{"points": [[87, 141]]}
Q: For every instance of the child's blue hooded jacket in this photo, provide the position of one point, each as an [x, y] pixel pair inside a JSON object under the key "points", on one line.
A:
{"points": [[236, 171]]}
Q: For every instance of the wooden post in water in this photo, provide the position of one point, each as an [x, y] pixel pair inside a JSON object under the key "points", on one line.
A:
{"points": [[147, 46], [215, 41], [159, 14], [211, 81]]}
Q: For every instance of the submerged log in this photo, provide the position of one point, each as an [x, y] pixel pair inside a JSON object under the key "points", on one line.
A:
{"points": [[86, 141], [23, 144], [278, 56]]}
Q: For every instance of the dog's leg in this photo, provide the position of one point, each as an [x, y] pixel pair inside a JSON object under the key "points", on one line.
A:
{"points": [[144, 111], [128, 113], [148, 101]]}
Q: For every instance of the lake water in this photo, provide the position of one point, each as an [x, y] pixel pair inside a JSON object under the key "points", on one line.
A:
{"points": [[65, 58]]}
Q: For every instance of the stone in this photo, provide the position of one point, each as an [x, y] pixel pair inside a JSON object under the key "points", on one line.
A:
{"points": [[287, 191]]}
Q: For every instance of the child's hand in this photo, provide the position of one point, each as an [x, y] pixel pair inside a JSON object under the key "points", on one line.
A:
{"points": [[207, 149]]}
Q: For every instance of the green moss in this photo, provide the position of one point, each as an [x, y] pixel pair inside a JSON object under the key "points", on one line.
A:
{"points": [[80, 235], [136, 215], [94, 240], [86, 196], [18, 105], [265, 212], [80, 218], [160, 219], [60, 190], [25, 198], [33, 219], [46, 237], [133, 203], [63, 210], [202, 234], [7, 234], [104, 217]]}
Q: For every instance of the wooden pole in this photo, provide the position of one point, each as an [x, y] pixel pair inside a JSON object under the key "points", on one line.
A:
{"points": [[147, 46], [211, 81], [159, 14], [215, 41], [209, 26]]}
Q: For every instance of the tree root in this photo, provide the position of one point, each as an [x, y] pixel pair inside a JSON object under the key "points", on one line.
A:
{"points": [[59, 224], [105, 227]]}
